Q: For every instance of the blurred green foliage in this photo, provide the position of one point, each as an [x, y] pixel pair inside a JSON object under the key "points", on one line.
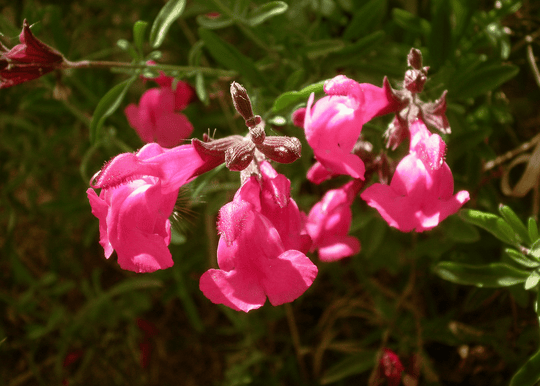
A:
{"points": [[61, 298]]}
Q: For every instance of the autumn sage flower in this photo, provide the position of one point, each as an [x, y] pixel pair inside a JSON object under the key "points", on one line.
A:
{"points": [[138, 194], [157, 117], [333, 124], [420, 194], [329, 221], [257, 256], [28, 60]]}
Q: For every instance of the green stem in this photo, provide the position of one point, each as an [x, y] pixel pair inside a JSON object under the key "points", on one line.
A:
{"points": [[164, 67]]}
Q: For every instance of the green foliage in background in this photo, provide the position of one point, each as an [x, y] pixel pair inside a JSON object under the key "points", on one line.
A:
{"points": [[457, 303]]}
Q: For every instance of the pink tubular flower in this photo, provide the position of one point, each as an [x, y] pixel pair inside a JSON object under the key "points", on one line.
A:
{"points": [[420, 194], [333, 124], [329, 221], [138, 195], [157, 119], [27, 61], [255, 252]]}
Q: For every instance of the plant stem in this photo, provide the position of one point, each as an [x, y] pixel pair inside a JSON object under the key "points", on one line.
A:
{"points": [[164, 67]]}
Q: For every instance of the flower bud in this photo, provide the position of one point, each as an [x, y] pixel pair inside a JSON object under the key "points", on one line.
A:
{"points": [[240, 155], [241, 101], [257, 133], [415, 80], [281, 149], [414, 59]]}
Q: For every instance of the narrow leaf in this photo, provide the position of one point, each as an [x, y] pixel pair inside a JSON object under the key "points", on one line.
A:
{"points": [[218, 22], [529, 373], [139, 28], [266, 11], [513, 220], [228, 56], [410, 22], [532, 280], [107, 106], [291, 98], [535, 249], [440, 39], [533, 229], [353, 364], [200, 89], [483, 79], [491, 223], [365, 19], [520, 258], [322, 47], [491, 275], [168, 14]]}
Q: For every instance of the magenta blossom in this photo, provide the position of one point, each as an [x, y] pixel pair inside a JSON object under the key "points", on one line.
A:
{"points": [[256, 260], [157, 119], [138, 195], [333, 124], [390, 367], [28, 60], [329, 221], [420, 194]]}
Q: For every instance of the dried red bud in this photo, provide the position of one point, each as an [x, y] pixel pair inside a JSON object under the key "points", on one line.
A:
{"points": [[281, 149], [253, 121], [241, 101], [391, 368], [240, 155], [257, 133], [414, 59]]}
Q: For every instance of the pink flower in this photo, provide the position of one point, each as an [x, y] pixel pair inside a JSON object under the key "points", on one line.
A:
{"points": [[298, 117], [256, 260], [28, 60], [329, 221], [138, 195], [333, 124], [156, 119], [420, 194]]}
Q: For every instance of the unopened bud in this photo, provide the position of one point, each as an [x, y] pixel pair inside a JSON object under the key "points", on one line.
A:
{"points": [[217, 147], [415, 80], [257, 133], [414, 59], [240, 155], [281, 149], [298, 117], [241, 101]]}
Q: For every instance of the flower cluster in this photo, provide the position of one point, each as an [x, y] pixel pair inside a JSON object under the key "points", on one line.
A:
{"points": [[264, 237]]}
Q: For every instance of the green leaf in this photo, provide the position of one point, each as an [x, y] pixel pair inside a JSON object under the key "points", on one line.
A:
{"points": [[529, 373], [535, 249], [291, 98], [218, 22], [460, 231], [351, 365], [440, 39], [228, 56], [139, 28], [513, 220], [520, 258], [168, 14], [365, 20], [107, 106], [322, 47], [483, 79], [410, 22], [266, 11], [532, 280], [491, 275], [532, 228], [491, 223], [200, 89]]}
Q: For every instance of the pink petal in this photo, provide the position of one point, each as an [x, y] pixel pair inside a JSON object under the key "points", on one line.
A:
{"points": [[100, 209], [172, 129], [142, 125], [287, 277], [343, 247], [237, 291], [318, 173]]}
